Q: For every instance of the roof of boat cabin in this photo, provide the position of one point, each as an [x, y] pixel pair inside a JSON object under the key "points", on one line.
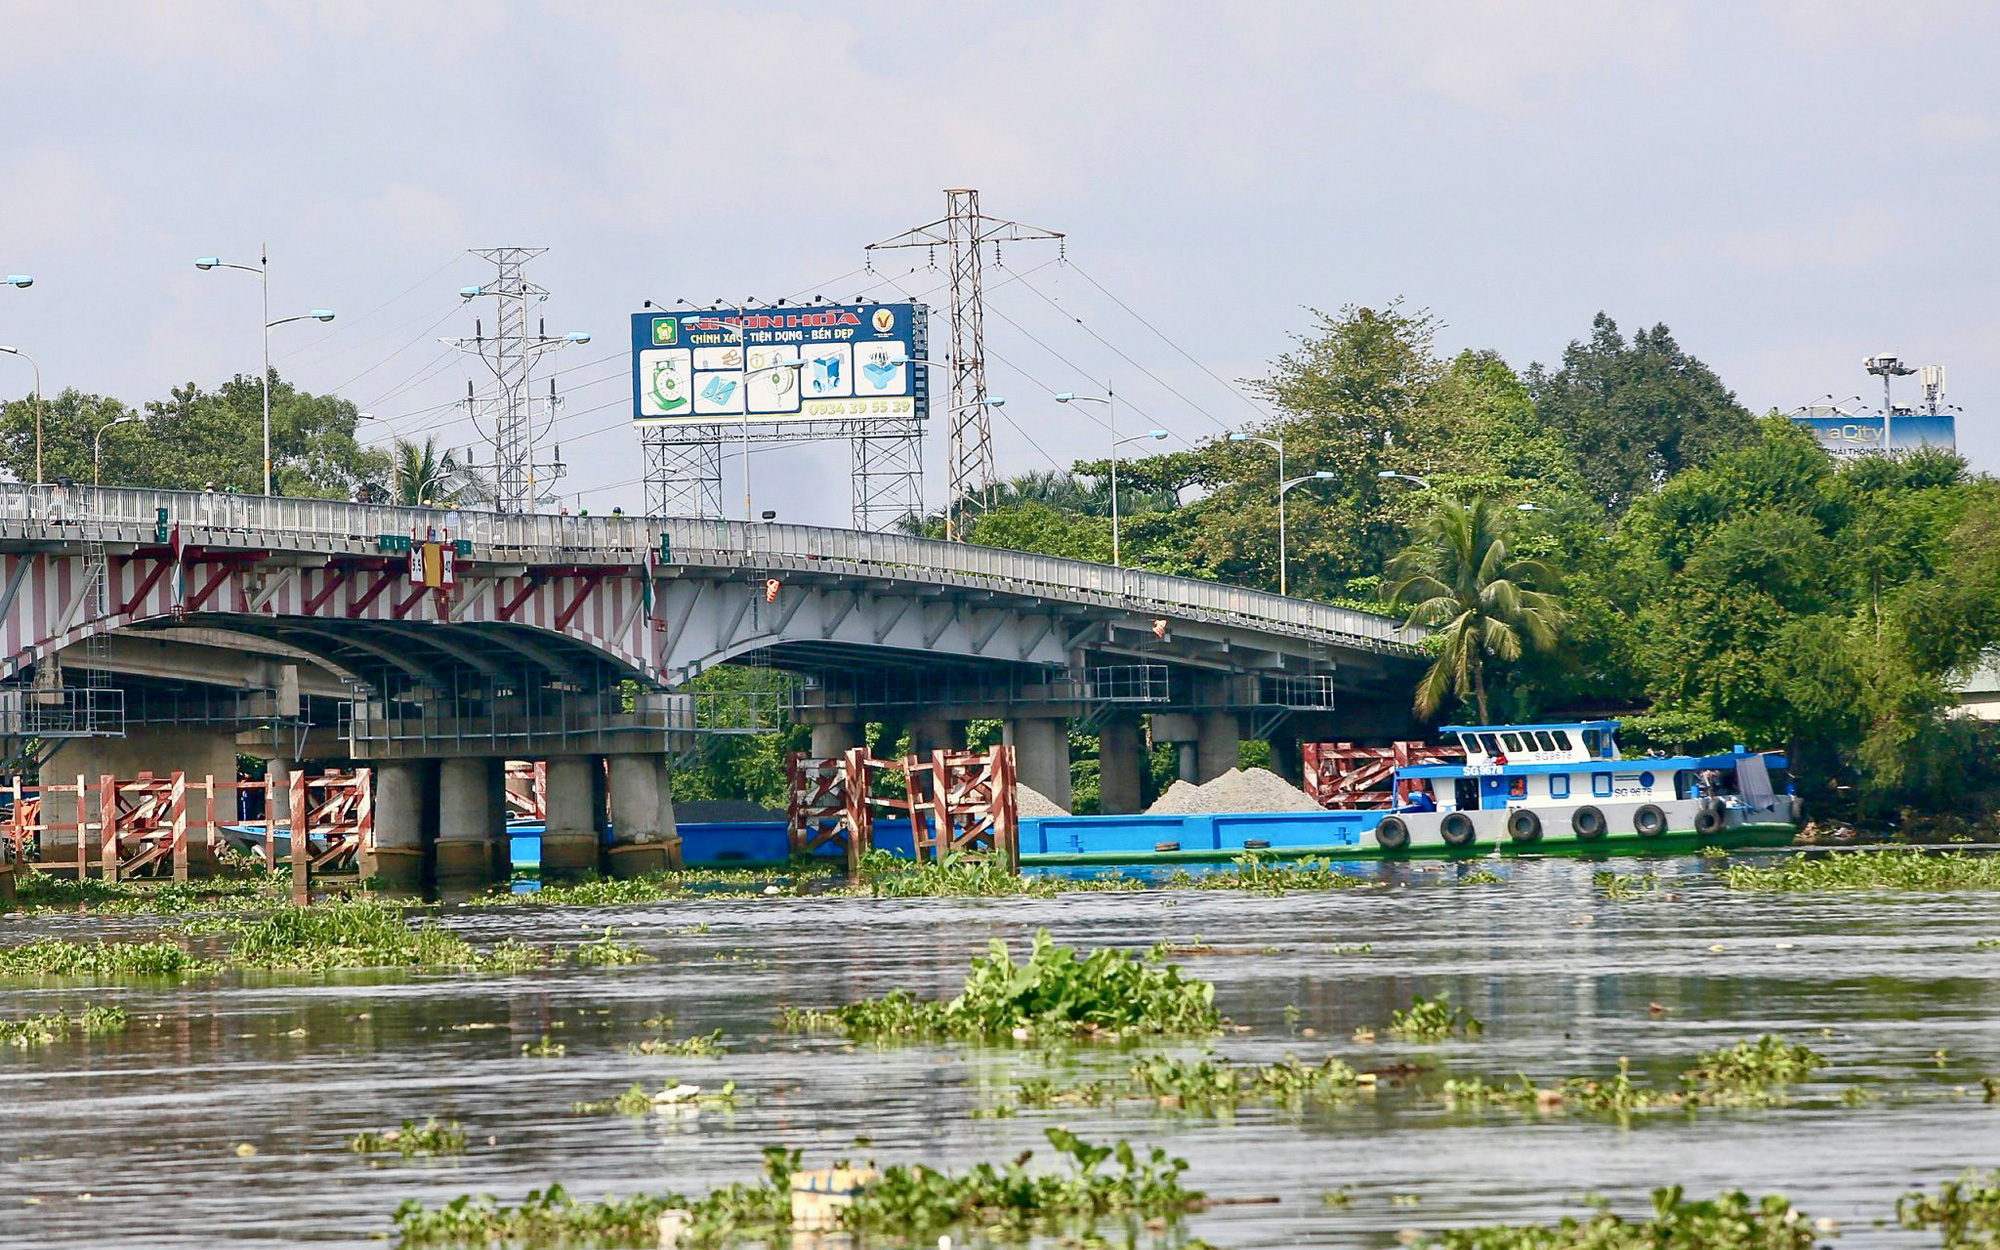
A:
{"points": [[1561, 724]]}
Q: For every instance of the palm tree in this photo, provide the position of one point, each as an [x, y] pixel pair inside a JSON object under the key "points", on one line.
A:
{"points": [[1458, 576], [425, 477]]}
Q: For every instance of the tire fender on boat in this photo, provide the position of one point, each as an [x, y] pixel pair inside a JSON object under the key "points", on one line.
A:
{"points": [[1523, 825], [1708, 817], [1587, 823], [1392, 834], [1457, 829], [1649, 821]]}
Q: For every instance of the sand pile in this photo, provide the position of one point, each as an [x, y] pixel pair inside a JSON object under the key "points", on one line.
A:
{"points": [[1029, 801], [1238, 790]]}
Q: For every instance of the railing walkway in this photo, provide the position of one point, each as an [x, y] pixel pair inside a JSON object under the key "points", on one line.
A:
{"points": [[114, 514]]}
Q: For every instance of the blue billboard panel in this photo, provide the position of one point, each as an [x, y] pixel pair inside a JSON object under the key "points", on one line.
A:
{"points": [[843, 362], [1861, 434]]}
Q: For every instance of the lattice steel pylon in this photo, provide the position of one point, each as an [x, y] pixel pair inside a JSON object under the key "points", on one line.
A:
{"points": [[510, 352], [969, 458]]}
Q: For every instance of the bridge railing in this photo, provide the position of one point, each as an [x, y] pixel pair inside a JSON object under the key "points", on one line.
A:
{"points": [[215, 518]]}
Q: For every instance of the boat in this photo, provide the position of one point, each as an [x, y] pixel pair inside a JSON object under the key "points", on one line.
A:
{"points": [[1558, 788]]}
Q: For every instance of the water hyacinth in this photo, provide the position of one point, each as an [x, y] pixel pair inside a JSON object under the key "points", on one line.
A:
{"points": [[1104, 994], [412, 1140], [1729, 1221], [56, 1026], [903, 1201], [1891, 868], [52, 957]]}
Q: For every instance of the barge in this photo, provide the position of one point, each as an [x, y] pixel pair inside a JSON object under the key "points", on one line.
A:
{"points": [[1542, 789]]}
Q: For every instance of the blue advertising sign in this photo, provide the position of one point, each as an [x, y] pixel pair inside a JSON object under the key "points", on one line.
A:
{"points": [[1861, 433], [843, 362]]}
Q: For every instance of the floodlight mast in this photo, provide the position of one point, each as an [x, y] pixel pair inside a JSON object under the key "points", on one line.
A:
{"points": [[1886, 365], [969, 476]]}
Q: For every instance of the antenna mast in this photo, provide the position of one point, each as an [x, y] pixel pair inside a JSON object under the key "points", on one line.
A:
{"points": [[969, 460], [512, 412]]}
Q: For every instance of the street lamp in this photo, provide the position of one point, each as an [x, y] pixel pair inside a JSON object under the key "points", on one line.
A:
{"points": [[22, 280], [1108, 399], [1278, 445], [1411, 478], [1283, 489], [15, 351], [262, 270], [97, 448]]}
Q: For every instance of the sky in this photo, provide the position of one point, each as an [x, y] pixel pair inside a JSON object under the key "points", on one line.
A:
{"points": [[1789, 186]]}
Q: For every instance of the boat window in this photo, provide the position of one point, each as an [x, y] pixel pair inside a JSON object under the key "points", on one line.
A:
{"points": [[1491, 743], [1600, 783], [1558, 785], [1591, 738], [1562, 740], [1465, 794], [1543, 740], [1513, 741]]}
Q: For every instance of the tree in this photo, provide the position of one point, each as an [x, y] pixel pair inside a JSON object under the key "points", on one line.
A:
{"points": [[217, 436], [1485, 603], [421, 476], [70, 423], [1636, 414]]}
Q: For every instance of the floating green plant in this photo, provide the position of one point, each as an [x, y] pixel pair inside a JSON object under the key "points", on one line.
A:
{"points": [[413, 1140], [1750, 1073], [1263, 874], [1966, 1211], [53, 957], [1433, 1020], [963, 876], [673, 1096], [903, 1201], [1626, 885], [1217, 1083], [699, 1044], [1890, 868], [608, 951], [56, 1026], [1054, 991], [1729, 1221]]}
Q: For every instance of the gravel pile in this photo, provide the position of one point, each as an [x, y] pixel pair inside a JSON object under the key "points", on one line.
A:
{"points": [[1238, 790], [1029, 801]]}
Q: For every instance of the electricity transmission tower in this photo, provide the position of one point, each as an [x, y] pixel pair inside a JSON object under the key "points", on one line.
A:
{"points": [[511, 419], [969, 458]]}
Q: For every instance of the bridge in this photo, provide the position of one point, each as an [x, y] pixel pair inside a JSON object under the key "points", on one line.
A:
{"points": [[157, 630]]}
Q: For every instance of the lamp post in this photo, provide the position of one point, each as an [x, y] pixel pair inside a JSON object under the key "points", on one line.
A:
{"points": [[1284, 488], [262, 270], [1111, 420], [97, 448], [1411, 478], [1278, 445], [15, 351]]}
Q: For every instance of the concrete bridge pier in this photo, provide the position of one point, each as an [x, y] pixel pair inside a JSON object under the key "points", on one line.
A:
{"points": [[1218, 745], [936, 733], [404, 794], [572, 839], [278, 789], [643, 834], [469, 824], [1041, 754], [1121, 755], [833, 738]]}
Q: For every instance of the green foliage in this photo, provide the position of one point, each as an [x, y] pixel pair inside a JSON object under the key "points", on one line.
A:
{"points": [[1433, 1020], [1484, 603], [164, 898], [699, 1044], [54, 957], [422, 475], [744, 766], [607, 951], [1965, 1211], [1730, 1221], [671, 1097], [357, 934], [1635, 414], [1053, 991], [1749, 1070], [56, 1026], [904, 1201], [961, 876], [195, 437], [413, 1140], [1212, 1084], [1890, 868], [1260, 873]]}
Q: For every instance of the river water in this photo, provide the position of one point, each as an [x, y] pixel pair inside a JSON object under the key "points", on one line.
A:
{"points": [[134, 1138]]}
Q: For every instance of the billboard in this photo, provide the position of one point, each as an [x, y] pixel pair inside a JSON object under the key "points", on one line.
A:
{"points": [[1861, 433], [819, 362]]}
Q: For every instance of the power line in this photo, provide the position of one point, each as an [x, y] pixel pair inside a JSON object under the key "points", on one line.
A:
{"points": [[1227, 385], [352, 322]]}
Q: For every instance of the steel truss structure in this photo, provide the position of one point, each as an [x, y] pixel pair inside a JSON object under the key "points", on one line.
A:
{"points": [[886, 459]]}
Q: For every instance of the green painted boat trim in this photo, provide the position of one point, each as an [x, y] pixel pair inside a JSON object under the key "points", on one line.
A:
{"points": [[1617, 844]]}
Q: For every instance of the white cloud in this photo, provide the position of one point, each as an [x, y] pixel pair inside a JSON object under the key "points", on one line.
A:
{"points": [[1956, 128]]}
